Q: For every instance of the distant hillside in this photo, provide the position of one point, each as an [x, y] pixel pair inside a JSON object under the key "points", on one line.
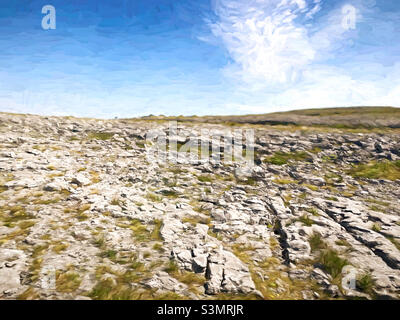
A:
{"points": [[334, 117]]}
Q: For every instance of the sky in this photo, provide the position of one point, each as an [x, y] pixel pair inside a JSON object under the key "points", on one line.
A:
{"points": [[128, 58]]}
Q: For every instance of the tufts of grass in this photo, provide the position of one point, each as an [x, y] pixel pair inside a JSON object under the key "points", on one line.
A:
{"points": [[195, 220], [313, 211], [365, 283], [388, 170], [140, 232], [67, 281], [100, 135], [243, 252], [394, 241], [116, 202], [282, 158], [214, 234], [170, 194], [156, 234], [316, 242], [343, 243], [109, 289], [28, 294], [153, 197], [59, 247], [305, 219], [332, 262], [205, 178], [47, 201], [378, 202], [158, 247], [99, 242], [172, 267], [376, 227], [329, 259], [311, 187]]}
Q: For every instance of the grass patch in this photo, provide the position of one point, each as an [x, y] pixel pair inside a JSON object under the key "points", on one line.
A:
{"points": [[100, 135], [282, 158], [205, 178], [67, 282], [59, 247], [158, 247], [195, 220], [284, 181], [172, 267], [313, 211], [140, 232], [376, 227], [316, 242], [365, 283], [153, 197], [394, 241], [388, 170], [170, 194], [343, 243], [305, 219], [311, 187], [331, 262], [329, 259], [156, 234], [107, 289], [29, 294]]}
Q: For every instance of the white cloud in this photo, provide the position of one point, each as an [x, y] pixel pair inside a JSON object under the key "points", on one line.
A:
{"points": [[263, 39], [283, 58]]}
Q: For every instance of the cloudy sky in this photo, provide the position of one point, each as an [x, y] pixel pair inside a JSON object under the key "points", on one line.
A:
{"points": [[126, 58]]}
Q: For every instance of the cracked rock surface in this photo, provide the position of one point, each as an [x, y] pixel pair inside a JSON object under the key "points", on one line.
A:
{"points": [[85, 214]]}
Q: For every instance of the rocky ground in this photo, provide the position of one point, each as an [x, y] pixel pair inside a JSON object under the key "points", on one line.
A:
{"points": [[84, 214]]}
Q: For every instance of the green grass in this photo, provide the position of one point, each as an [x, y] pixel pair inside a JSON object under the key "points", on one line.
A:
{"points": [[365, 283], [110, 254], [388, 170], [331, 262], [311, 187], [67, 282], [171, 268], [153, 197], [170, 194], [281, 158], [304, 219], [376, 227], [205, 178], [394, 241], [100, 135], [195, 220], [140, 231], [316, 242], [158, 247], [284, 181], [59, 247], [313, 211], [106, 289], [343, 243], [156, 234], [329, 259]]}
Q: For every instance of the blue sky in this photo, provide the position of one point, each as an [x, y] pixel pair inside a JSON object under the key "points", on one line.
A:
{"points": [[127, 58]]}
